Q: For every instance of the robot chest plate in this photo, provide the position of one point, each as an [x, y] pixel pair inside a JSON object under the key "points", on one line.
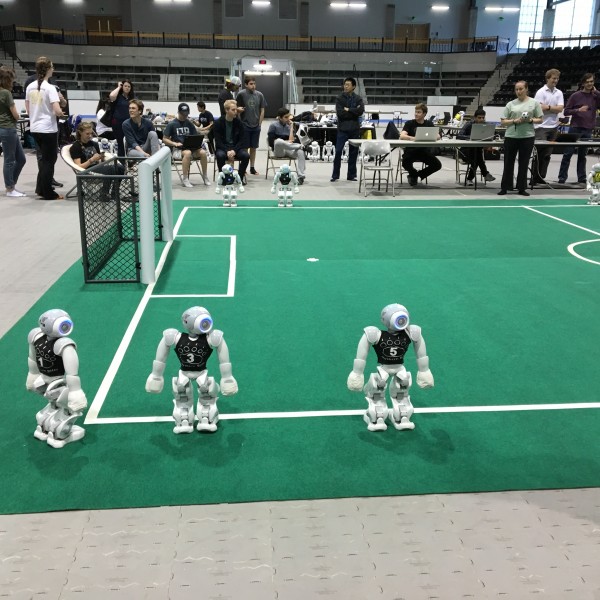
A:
{"points": [[285, 179], [229, 180], [392, 347], [193, 354], [48, 363]]}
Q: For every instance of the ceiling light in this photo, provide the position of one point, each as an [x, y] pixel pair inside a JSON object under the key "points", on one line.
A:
{"points": [[73, 1], [261, 3], [255, 73], [348, 4], [440, 7]]}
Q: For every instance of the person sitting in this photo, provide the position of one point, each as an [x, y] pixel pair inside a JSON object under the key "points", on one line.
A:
{"points": [[140, 136], [474, 156], [174, 135], [413, 155], [86, 153], [230, 140], [281, 139], [206, 121]]}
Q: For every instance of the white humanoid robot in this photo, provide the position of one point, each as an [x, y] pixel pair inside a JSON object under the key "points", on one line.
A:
{"points": [[328, 152], [230, 183], [458, 119], [345, 152], [53, 374], [193, 349], [593, 185], [285, 183], [390, 345], [315, 152]]}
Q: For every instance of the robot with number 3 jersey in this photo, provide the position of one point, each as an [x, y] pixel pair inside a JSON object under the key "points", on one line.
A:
{"points": [[285, 183], [390, 345], [230, 183], [53, 374], [193, 349], [593, 185]]}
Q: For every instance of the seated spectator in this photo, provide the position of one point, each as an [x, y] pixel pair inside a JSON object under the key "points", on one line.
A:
{"points": [[86, 153], [281, 139], [176, 131], [102, 130], [422, 154], [230, 140], [474, 156], [140, 137], [206, 121]]}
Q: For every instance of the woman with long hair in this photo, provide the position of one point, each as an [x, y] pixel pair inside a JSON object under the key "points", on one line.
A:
{"points": [[43, 107], [102, 130], [120, 98], [14, 157]]}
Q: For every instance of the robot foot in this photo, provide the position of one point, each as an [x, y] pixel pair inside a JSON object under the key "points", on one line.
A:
{"points": [[404, 424], [40, 434], [183, 427], [592, 202], [226, 203], [204, 425], [289, 204], [76, 434], [378, 426], [281, 204], [233, 203]]}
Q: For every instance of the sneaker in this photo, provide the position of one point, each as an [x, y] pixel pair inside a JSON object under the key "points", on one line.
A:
{"points": [[352, 179], [333, 179], [301, 180], [56, 183], [412, 179], [205, 180], [253, 171], [15, 194], [489, 177], [187, 183], [470, 182], [244, 179], [562, 181], [502, 193]]}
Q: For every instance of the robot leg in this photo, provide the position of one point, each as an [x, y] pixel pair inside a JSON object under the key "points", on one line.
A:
{"points": [[377, 410], [402, 409], [51, 393], [183, 404], [233, 198], [289, 198], [226, 197], [208, 414], [281, 198], [61, 425]]}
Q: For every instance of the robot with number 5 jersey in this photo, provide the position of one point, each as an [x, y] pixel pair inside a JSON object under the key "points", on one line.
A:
{"points": [[53, 374], [593, 185], [390, 345], [193, 349]]}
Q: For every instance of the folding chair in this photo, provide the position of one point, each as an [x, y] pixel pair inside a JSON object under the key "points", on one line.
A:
{"points": [[271, 158], [177, 165], [65, 154], [376, 159]]}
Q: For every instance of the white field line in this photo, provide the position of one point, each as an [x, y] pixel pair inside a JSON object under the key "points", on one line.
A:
{"points": [[571, 249], [469, 207], [351, 413], [539, 212]]}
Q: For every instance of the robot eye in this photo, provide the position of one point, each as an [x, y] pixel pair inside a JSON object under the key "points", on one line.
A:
{"points": [[203, 324], [399, 320], [63, 326]]}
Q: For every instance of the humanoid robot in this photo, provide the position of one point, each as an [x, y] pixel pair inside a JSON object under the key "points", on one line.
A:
{"points": [[193, 349], [345, 152], [315, 152], [390, 345], [230, 183], [53, 374], [593, 185], [328, 152], [285, 183], [458, 118]]}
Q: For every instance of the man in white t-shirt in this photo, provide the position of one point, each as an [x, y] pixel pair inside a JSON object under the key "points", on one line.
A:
{"points": [[552, 101]]}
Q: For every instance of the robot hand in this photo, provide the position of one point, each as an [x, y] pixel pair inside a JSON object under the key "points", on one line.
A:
{"points": [[241, 189], [356, 381], [229, 386], [218, 189], [76, 400], [273, 190], [425, 379], [296, 190], [154, 385], [32, 382]]}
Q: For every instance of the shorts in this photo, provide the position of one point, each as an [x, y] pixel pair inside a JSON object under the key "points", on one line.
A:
{"points": [[253, 134]]}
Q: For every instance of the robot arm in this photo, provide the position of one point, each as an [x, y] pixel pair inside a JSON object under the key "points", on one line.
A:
{"points": [[34, 378], [238, 182], [219, 183], [76, 400], [424, 375], [156, 381], [229, 385], [275, 182], [295, 182], [356, 379]]}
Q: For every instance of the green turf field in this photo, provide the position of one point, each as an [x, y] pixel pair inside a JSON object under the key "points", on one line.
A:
{"points": [[507, 297]]}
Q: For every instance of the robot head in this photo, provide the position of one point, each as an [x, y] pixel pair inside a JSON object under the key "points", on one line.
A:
{"points": [[227, 170], [284, 169], [56, 323], [197, 320], [596, 168], [395, 317]]}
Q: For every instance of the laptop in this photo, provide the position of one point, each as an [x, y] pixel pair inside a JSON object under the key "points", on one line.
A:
{"points": [[567, 137], [192, 142], [482, 131], [320, 109], [426, 134]]}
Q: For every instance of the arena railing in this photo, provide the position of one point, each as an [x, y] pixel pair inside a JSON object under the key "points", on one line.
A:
{"points": [[14, 33]]}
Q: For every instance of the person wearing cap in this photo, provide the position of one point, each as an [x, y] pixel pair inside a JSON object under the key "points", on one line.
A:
{"points": [[230, 140], [140, 136], [232, 84], [173, 136]]}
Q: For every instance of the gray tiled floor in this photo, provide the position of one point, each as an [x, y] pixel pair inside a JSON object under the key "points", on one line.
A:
{"points": [[509, 545]]}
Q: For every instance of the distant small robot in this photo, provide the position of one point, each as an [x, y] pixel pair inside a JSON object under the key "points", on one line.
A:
{"points": [[315, 152], [328, 152], [593, 185], [54, 374], [285, 184], [193, 349], [230, 184], [390, 346], [345, 152]]}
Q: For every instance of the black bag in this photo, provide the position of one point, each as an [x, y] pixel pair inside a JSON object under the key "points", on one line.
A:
{"points": [[106, 118], [391, 132]]}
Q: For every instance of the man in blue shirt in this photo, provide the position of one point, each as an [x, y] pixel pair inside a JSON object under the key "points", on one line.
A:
{"points": [[140, 137]]}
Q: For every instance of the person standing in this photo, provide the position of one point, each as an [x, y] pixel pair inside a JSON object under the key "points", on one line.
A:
{"points": [[232, 85], [42, 103], [519, 117], [281, 139], [349, 107], [120, 98], [253, 104], [552, 102], [230, 140], [14, 157], [581, 107]]}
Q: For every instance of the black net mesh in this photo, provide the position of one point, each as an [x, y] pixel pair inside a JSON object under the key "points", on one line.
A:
{"points": [[110, 222]]}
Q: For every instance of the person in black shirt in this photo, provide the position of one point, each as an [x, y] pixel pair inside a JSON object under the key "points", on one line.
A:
{"points": [[474, 156], [232, 84]]}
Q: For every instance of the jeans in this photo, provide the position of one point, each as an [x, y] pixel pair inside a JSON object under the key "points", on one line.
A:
{"points": [[48, 146], [151, 146], [563, 172], [513, 146], [14, 157], [283, 149], [340, 142]]}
